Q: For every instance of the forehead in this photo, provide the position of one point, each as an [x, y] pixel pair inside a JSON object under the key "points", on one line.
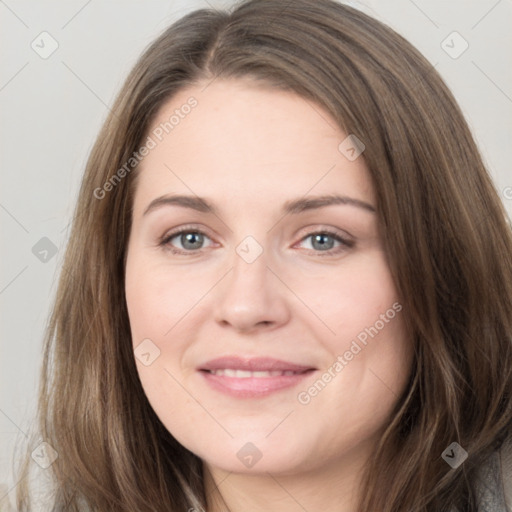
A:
{"points": [[234, 138]]}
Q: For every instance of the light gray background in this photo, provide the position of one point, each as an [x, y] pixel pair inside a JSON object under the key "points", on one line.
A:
{"points": [[52, 110]]}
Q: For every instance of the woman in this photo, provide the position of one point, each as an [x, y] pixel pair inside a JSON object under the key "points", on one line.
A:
{"points": [[288, 284]]}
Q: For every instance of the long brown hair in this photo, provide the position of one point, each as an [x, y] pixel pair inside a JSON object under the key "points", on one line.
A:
{"points": [[445, 233]]}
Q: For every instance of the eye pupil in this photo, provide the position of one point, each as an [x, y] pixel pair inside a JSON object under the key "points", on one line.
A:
{"points": [[323, 241], [192, 240]]}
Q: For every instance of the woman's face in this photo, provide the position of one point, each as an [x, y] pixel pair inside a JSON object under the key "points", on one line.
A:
{"points": [[268, 335]]}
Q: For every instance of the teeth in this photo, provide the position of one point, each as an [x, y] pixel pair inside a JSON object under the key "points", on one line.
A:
{"points": [[244, 374]]}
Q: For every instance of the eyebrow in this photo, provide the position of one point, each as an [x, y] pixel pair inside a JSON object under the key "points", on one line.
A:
{"points": [[290, 207]]}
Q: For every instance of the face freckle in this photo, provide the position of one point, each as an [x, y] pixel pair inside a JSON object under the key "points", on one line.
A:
{"points": [[257, 280]]}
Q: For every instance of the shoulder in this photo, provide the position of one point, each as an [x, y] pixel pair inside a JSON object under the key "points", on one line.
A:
{"points": [[494, 486], [506, 472]]}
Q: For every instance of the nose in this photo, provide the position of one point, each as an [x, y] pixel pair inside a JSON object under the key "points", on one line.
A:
{"points": [[251, 297]]}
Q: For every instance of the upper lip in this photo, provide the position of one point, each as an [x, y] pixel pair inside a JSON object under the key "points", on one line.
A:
{"points": [[255, 364]]}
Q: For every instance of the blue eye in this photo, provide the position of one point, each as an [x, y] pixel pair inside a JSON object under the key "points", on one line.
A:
{"points": [[325, 241], [190, 240]]}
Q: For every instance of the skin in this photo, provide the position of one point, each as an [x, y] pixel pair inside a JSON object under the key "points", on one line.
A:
{"points": [[248, 150]]}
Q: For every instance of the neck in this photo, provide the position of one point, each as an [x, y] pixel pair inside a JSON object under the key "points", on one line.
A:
{"points": [[335, 487]]}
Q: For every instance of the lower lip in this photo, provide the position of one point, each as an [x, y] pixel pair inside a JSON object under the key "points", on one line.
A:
{"points": [[253, 387]]}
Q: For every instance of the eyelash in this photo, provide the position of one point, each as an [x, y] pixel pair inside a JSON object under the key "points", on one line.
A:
{"points": [[345, 244]]}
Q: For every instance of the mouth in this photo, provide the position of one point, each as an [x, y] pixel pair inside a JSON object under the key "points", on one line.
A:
{"points": [[244, 374], [254, 377]]}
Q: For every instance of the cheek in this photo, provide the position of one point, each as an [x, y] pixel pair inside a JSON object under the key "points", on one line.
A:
{"points": [[158, 298], [157, 301], [349, 298]]}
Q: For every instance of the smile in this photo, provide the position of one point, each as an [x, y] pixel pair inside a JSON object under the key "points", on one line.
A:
{"points": [[244, 374], [252, 377]]}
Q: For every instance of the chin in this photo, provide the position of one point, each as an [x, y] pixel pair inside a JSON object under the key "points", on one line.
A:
{"points": [[250, 455]]}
